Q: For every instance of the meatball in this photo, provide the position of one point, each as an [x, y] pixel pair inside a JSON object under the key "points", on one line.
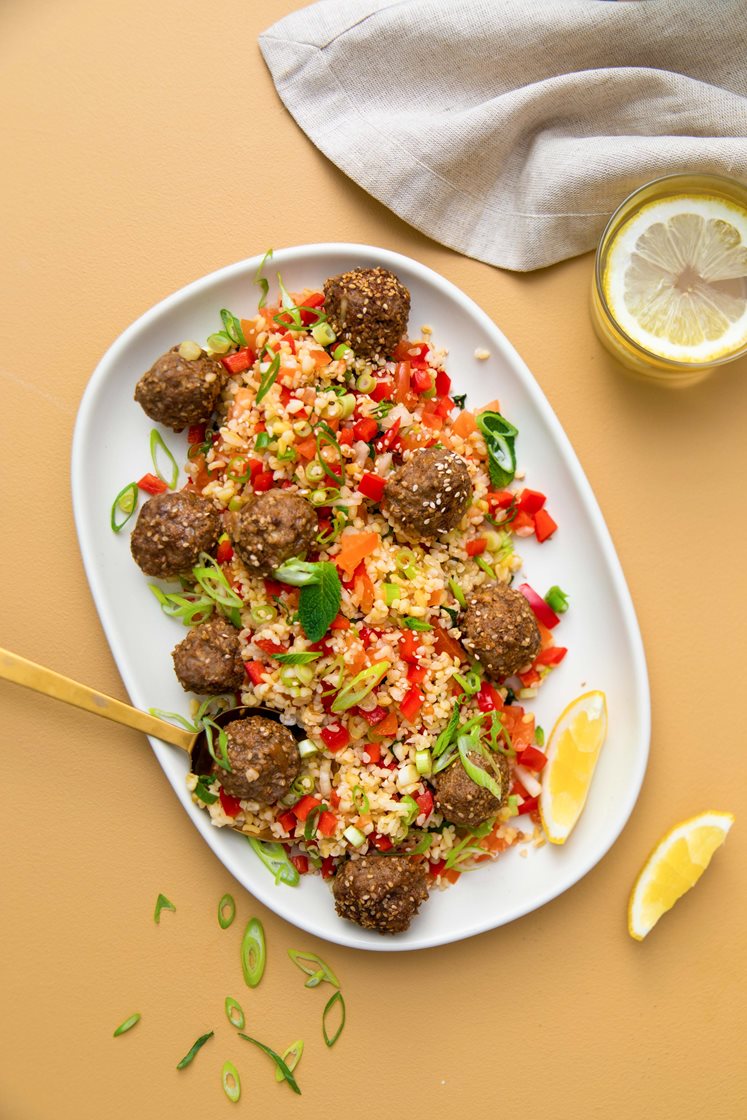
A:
{"points": [[429, 494], [272, 527], [500, 630], [264, 760], [368, 309], [380, 892], [209, 658], [461, 800], [176, 391], [172, 530]]}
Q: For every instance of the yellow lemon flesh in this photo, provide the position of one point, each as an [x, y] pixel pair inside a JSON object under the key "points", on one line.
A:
{"points": [[572, 753], [675, 279], [674, 866]]}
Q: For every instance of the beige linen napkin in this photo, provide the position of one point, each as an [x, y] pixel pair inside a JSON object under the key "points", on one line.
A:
{"points": [[510, 129]]}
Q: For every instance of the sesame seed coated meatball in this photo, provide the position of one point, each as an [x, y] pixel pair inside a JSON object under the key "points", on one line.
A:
{"points": [[461, 800], [209, 658], [368, 309], [429, 494], [264, 760], [271, 528], [172, 530], [500, 629], [380, 892], [178, 392]]}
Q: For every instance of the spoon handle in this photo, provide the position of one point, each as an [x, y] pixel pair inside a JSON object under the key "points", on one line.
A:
{"points": [[20, 671]]}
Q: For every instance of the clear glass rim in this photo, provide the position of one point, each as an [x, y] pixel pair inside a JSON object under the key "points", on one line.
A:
{"points": [[674, 365]]}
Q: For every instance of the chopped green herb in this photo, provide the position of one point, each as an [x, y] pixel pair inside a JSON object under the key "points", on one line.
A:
{"points": [[459, 399], [162, 903], [458, 594], [202, 791], [539, 736], [557, 599], [253, 952], [226, 911], [286, 1073], [125, 502], [188, 1057], [335, 1000], [482, 563], [127, 1025], [499, 436], [275, 858]]}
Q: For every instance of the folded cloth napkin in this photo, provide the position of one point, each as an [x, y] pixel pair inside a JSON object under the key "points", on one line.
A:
{"points": [[511, 129]]}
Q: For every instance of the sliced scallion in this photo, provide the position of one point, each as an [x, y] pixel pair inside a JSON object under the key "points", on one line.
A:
{"points": [[341, 352], [157, 445], [354, 836], [301, 658], [232, 327], [423, 762], [262, 442], [226, 911], [209, 726], [470, 683], [202, 792], [291, 1057], [359, 687], [189, 1056], [539, 736], [275, 858], [126, 503], [499, 436], [127, 1025], [190, 609], [325, 437], [335, 1001], [231, 1081], [392, 592], [482, 563], [261, 281], [174, 717], [315, 968], [480, 777], [219, 343], [162, 903], [235, 1013], [323, 334], [212, 580], [458, 594], [413, 809], [285, 1072], [262, 613], [253, 952], [360, 801], [268, 375], [306, 748], [557, 599]]}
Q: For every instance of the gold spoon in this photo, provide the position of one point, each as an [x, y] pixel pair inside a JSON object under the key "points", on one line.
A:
{"points": [[20, 671]]}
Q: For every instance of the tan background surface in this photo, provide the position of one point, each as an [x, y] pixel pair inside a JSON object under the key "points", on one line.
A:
{"points": [[143, 145]]}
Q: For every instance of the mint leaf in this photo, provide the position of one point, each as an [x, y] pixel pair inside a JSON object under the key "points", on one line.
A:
{"points": [[319, 601]]}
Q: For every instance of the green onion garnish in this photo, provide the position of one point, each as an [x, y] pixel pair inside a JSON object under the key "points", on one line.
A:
{"points": [[291, 1057], [315, 968], [209, 726], [212, 580], [354, 836], [340, 352], [285, 1072], [458, 594], [219, 343], [557, 599], [275, 858], [416, 624], [174, 717], [539, 736], [234, 1013], [301, 658], [444, 739], [226, 911], [157, 445], [261, 281], [323, 435], [392, 592], [197, 1046], [268, 375], [253, 952], [191, 609], [423, 762], [465, 744], [360, 801], [231, 1081], [513, 805], [482, 563], [339, 521], [413, 809], [125, 502], [309, 825], [359, 687], [127, 1025], [262, 441], [232, 327], [335, 1000], [202, 791], [162, 903], [470, 683], [323, 334]]}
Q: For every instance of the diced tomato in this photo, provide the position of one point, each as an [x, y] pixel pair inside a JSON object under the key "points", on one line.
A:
{"points": [[334, 799], [268, 646], [544, 526], [224, 552], [517, 789], [437, 867], [328, 867], [376, 715], [372, 486], [242, 360], [425, 802], [443, 383], [409, 642], [476, 546], [231, 805], [262, 481], [382, 390], [522, 524], [387, 729], [444, 643], [368, 635], [196, 433], [530, 501], [530, 678], [421, 380], [402, 392], [542, 610], [327, 823], [273, 588], [489, 698], [412, 703], [528, 805], [432, 421], [288, 821], [303, 807], [389, 438], [335, 737], [373, 750], [345, 437], [416, 674], [340, 623], [444, 407], [255, 670], [533, 759], [152, 484], [552, 656], [381, 843], [301, 864], [500, 499], [521, 732], [366, 429]]}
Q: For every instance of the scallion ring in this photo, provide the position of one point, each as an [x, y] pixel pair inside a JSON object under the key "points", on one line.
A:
{"points": [[480, 777], [360, 686], [209, 726], [268, 376], [189, 1056], [226, 911], [291, 1057], [312, 965], [126, 503], [253, 952], [232, 327], [231, 1081], [261, 281], [335, 1000], [127, 1025], [162, 903], [286, 1073], [360, 801], [157, 445], [235, 1013], [275, 858]]}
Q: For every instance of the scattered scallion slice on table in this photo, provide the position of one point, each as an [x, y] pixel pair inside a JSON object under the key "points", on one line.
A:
{"points": [[285, 1072], [314, 967], [291, 1057], [226, 911], [235, 1013], [231, 1081], [127, 1025], [162, 903], [253, 952], [198, 1045], [335, 1001]]}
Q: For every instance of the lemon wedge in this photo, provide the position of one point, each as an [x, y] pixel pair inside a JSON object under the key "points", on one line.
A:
{"points": [[674, 866], [675, 279], [572, 753]]}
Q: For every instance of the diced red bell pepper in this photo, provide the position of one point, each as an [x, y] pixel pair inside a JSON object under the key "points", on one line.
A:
{"points": [[444, 407], [376, 715], [372, 486], [390, 436], [224, 552], [327, 823], [328, 867], [335, 737], [530, 678], [416, 674], [409, 643], [444, 643], [315, 299], [544, 526], [196, 433], [425, 802], [373, 750], [303, 807], [530, 501], [268, 646], [528, 805], [500, 499], [366, 429], [152, 484], [231, 805], [288, 821], [382, 391], [522, 524], [301, 864], [489, 698], [345, 437], [340, 623], [239, 361], [255, 670], [368, 634], [542, 611], [476, 546], [381, 843], [274, 587], [551, 656], [443, 383], [421, 380], [533, 759], [262, 481], [437, 867], [334, 799], [412, 703]]}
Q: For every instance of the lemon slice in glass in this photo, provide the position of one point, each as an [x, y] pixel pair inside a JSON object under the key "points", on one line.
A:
{"points": [[674, 866], [572, 753], [675, 279]]}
